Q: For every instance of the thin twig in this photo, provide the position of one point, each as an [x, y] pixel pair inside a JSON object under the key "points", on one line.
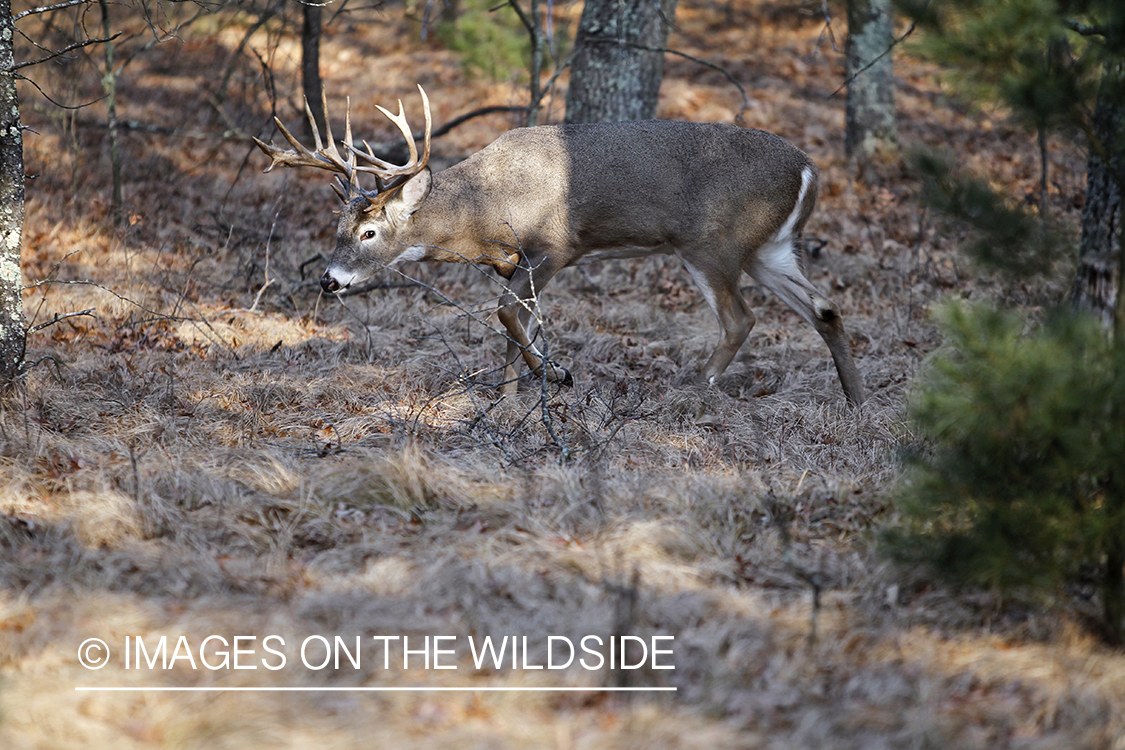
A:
{"points": [[154, 129], [89, 313], [268, 280], [63, 51], [175, 318], [164, 37], [880, 56], [461, 119], [60, 105]]}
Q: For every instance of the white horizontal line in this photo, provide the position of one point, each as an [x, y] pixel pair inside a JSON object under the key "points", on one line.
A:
{"points": [[282, 689]]}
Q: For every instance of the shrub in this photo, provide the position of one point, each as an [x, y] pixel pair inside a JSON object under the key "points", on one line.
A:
{"points": [[491, 40], [1022, 485]]}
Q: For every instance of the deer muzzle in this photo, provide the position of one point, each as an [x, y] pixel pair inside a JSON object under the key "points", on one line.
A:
{"points": [[329, 283]]}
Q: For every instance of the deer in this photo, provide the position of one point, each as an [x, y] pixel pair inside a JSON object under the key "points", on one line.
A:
{"points": [[723, 199]]}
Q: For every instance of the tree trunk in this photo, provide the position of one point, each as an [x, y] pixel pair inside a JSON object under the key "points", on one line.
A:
{"points": [[619, 60], [12, 332], [109, 85], [1100, 251], [1097, 288], [870, 111], [310, 62]]}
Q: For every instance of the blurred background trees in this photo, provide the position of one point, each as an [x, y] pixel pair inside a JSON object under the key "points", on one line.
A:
{"points": [[1021, 483]]}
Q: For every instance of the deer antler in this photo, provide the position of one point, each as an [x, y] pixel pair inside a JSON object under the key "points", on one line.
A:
{"points": [[392, 175], [326, 157]]}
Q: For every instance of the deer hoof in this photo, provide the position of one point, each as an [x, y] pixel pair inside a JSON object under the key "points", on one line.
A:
{"points": [[560, 375]]}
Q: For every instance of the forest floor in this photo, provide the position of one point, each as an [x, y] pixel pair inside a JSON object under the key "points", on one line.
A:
{"points": [[218, 450]]}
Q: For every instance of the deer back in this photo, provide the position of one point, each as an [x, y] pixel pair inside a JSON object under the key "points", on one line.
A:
{"points": [[575, 189]]}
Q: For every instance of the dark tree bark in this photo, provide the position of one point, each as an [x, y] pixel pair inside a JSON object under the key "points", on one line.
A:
{"points": [[12, 332], [310, 62], [619, 60], [1100, 254], [870, 111]]}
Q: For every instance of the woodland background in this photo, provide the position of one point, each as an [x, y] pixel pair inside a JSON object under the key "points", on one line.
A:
{"points": [[215, 448]]}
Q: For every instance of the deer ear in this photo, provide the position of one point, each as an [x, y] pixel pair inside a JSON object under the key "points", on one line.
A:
{"points": [[411, 194]]}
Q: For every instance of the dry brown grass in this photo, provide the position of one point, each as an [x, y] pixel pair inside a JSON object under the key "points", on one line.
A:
{"points": [[210, 457]]}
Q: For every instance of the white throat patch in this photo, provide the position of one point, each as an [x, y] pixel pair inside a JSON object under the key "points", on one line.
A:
{"points": [[409, 254]]}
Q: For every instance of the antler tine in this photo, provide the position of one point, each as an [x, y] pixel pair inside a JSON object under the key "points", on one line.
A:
{"points": [[330, 151], [314, 128], [387, 171], [348, 131], [404, 127], [341, 188], [324, 157], [429, 126]]}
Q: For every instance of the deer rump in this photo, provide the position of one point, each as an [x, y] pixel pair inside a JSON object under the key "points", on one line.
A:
{"points": [[724, 199]]}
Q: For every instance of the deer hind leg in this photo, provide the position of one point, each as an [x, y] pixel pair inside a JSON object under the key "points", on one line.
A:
{"points": [[736, 319], [516, 308], [776, 268]]}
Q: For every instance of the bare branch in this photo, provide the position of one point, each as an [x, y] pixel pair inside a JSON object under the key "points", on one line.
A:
{"points": [[887, 51], [462, 119], [63, 51], [149, 127], [524, 19], [48, 8], [60, 105], [158, 39], [89, 313], [880, 56], [1083, 29], [200, 322]]}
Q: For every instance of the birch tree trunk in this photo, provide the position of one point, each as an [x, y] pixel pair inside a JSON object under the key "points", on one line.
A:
{"points": [[12, 333], [870, 110], [619, 60]]}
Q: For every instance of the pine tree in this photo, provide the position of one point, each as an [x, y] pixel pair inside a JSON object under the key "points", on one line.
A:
{"points": [[1021, 486], [1052, 63]]}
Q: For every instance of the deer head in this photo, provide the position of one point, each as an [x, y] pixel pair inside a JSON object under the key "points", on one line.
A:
{"points": [[370, 219]]}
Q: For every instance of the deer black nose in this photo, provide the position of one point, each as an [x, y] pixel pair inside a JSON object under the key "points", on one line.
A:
{"points": [[329, 284]]}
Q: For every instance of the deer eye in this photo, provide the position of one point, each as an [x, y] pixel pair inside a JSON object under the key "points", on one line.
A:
{"points": [[369, 234]]}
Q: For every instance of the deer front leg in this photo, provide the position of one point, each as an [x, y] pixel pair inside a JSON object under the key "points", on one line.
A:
{"points": [[516, 308]]}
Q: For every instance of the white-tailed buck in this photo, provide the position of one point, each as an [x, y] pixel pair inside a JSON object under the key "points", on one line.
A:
{"points": [[723, 199]]}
